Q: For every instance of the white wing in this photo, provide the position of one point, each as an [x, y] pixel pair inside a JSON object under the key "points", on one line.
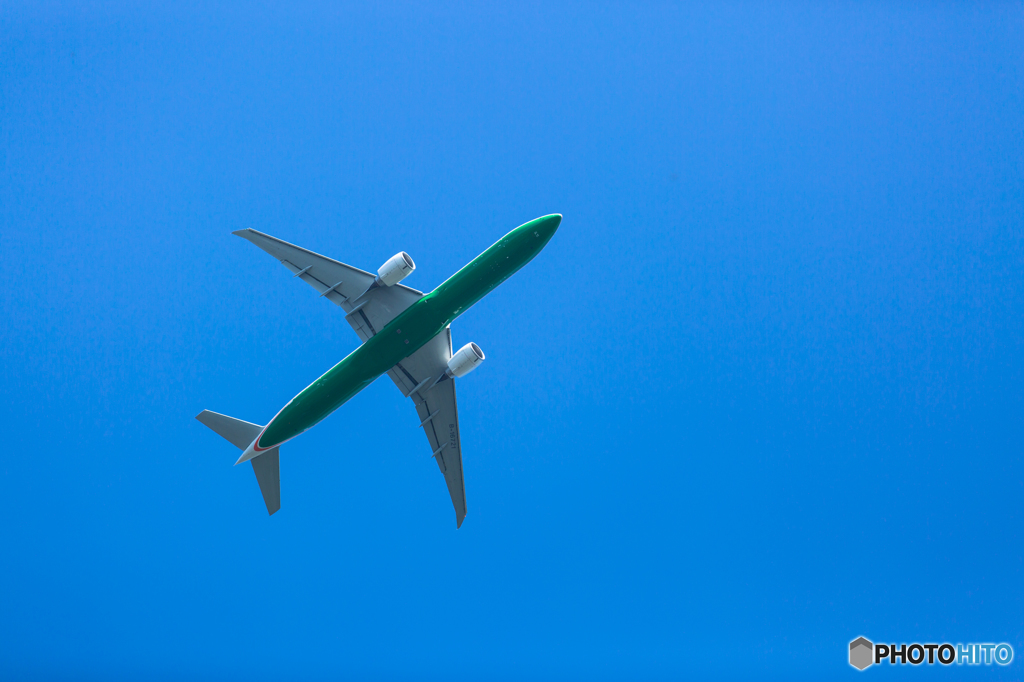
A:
{"points": [[437, 410], [340, 284]]}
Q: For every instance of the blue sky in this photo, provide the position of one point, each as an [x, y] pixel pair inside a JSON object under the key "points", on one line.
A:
{"points": [[760, 395]]}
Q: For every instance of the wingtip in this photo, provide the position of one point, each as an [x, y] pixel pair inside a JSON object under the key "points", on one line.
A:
{"points": [[459, 520], [241, 233]]}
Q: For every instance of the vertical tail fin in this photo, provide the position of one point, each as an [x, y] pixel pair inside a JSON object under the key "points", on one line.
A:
{"points": [[267, 466]]}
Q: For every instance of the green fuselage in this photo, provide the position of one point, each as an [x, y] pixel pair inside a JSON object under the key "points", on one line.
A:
{"points": [[419, 323]]}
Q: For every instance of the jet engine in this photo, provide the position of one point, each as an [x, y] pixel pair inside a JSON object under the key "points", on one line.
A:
{"points": [[397, 268], [465, 361]]}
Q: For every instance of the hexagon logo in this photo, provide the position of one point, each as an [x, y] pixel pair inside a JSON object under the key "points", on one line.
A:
{"points": [[862, 653]]}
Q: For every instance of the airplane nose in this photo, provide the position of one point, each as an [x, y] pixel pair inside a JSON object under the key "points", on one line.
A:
{"points": [[538, 231], [547, 225]]}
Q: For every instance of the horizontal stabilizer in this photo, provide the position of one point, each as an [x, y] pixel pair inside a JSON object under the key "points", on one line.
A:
{"points": [[237, 432], [268, 474], [267, 465]]}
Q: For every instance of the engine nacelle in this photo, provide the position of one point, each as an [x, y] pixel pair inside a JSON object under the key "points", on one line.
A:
{"points": [[465, 361], [397, 268]]}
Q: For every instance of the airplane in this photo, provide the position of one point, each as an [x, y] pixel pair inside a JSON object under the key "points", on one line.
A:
{"points": [[405, 334]]}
